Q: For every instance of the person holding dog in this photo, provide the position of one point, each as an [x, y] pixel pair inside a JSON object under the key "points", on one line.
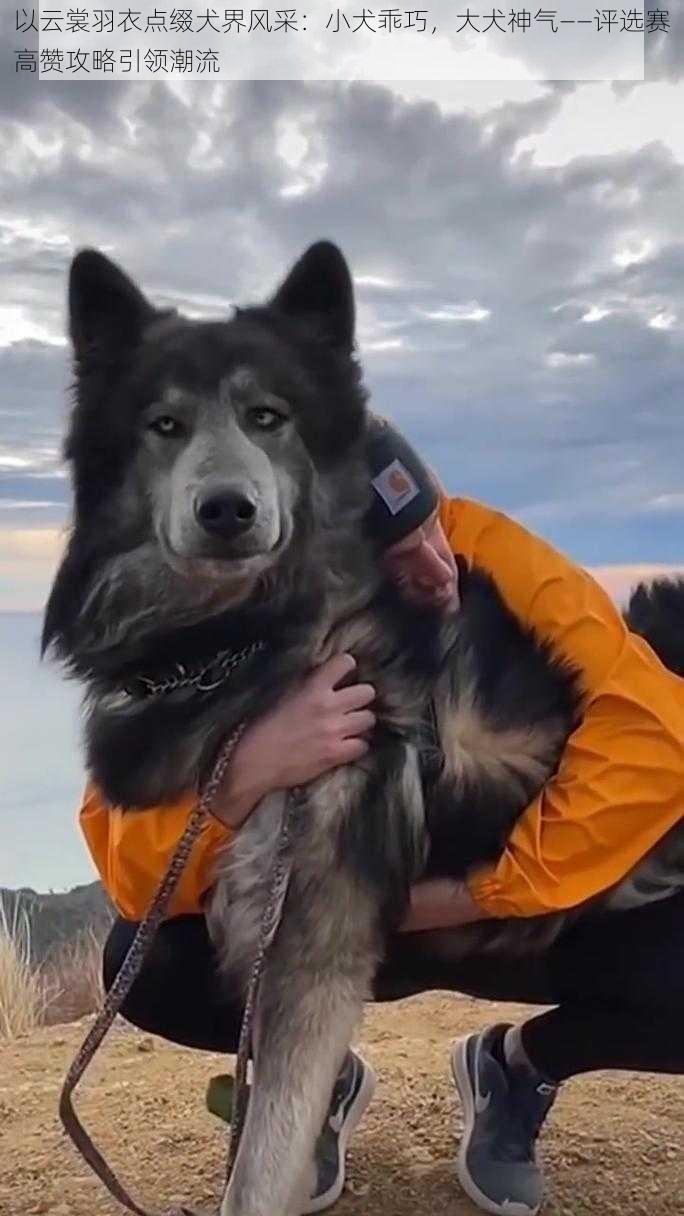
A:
{"points": [[614, 981]]}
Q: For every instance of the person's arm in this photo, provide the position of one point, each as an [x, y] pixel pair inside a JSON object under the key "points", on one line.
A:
{"points": [[618, 790], [314, 728], [440, 903], [132, 850], [620, 784]]}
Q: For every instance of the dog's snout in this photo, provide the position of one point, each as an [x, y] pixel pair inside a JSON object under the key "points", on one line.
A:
{"points": [[225, 512]]}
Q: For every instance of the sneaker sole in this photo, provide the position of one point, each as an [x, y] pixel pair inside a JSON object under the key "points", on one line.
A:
{"points": [[461, 1078], [357, 1110]]}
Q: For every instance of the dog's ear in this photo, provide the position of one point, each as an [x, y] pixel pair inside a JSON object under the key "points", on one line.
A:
{"points": [[319, 287], [107, 312]]}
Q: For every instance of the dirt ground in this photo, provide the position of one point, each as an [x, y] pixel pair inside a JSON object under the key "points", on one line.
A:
{"points": [[614, 1143]]}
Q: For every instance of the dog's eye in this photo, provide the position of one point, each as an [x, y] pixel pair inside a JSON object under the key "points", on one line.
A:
{"points": [[266, 419], [167, 426]]}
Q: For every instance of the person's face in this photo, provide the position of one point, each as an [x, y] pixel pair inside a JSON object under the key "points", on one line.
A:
{"points": [[423, 567]]}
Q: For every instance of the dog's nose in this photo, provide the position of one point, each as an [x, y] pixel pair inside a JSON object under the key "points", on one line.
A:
{"points": [[226, 513]]}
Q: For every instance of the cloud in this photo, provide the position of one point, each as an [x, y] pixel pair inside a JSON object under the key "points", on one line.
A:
{"points": [[664, 52], [521, 320]]}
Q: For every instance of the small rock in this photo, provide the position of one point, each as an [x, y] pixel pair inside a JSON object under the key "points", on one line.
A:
{"points": [[146, 1045], [358, 1189]]}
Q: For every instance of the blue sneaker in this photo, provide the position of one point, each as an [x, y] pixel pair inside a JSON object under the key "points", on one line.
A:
{"points": [[350, 1100], [504, 1109]]}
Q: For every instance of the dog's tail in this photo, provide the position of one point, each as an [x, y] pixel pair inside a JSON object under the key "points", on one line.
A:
{"points": [[656, 612]]}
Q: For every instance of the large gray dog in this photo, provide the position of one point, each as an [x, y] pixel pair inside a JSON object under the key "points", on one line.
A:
{"points": [[220, 496]]}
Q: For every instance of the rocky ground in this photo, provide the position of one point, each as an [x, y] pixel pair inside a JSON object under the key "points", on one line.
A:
{"points": [[614, 1143]]}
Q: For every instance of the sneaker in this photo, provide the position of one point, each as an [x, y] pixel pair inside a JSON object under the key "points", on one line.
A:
{"points": [[350, 1099], [504, 1109]]}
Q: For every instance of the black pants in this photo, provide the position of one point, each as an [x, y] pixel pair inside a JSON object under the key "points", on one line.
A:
{"points": [[616, 982]]}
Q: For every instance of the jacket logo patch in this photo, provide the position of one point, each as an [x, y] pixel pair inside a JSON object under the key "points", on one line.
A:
{"points": [[396, 487]]}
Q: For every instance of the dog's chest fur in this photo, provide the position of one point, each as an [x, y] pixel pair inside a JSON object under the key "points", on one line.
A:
{"points": [[485, 743]]}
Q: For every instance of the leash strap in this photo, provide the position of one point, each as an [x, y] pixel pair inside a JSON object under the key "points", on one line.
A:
{"points": [[127, 975]]}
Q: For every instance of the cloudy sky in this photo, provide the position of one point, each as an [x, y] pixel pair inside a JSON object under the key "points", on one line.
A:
{"points": [[520, 274]]}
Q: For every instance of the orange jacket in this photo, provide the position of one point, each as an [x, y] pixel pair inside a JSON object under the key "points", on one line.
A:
{"points": [[618, 789]]}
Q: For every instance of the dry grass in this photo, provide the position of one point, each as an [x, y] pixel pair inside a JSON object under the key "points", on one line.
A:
{"points": [[66, 987], [24, 992], [74, 973]]}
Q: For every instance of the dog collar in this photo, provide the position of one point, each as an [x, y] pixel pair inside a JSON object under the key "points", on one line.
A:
{"points": [[202, 678]]}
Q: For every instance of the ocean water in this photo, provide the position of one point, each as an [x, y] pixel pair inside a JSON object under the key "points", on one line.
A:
{"points": [[41, 773]]}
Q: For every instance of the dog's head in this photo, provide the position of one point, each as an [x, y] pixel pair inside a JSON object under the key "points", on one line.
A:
{"points": [[203, 447]]}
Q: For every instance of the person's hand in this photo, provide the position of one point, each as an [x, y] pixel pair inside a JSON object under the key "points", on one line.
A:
{"points": [[312, 729], [440, 903]]}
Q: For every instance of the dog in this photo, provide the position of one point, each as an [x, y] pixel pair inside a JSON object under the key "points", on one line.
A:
{"points": [[218, 552], [656, 612]]}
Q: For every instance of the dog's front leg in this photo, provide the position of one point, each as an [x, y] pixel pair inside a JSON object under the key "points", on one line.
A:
{"points": [[311, 998]]}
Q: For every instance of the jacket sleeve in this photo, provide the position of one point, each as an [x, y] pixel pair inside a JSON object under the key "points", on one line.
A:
{"points": [[620, 784], [132, 851]]}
